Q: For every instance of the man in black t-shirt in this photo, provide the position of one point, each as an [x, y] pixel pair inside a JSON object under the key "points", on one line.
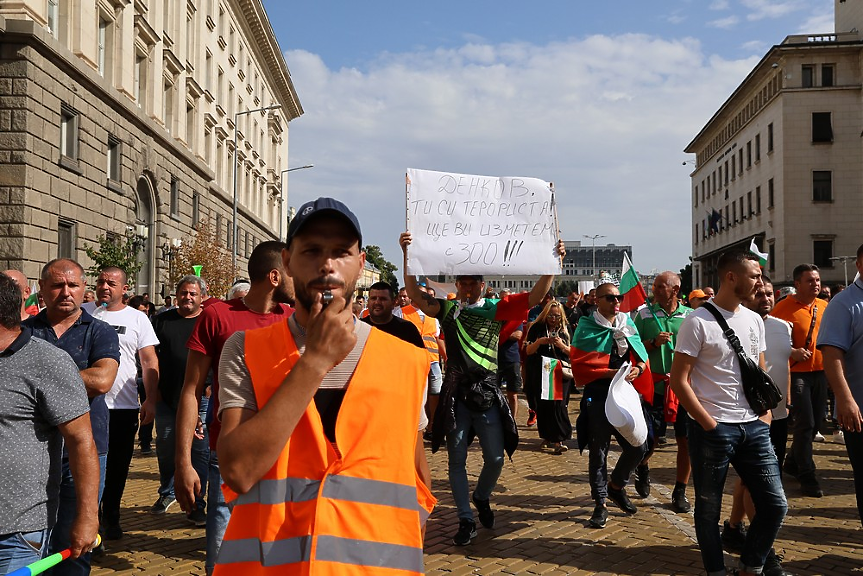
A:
{"points": [[173, 328], [381, 299]]}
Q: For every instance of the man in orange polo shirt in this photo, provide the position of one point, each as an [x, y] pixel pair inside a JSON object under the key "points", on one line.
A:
{"points": [[804, 311]]}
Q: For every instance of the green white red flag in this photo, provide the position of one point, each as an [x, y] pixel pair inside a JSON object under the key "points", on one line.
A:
{"points": [[551, 383], [762, 257], [31, 305], [630, 287]]}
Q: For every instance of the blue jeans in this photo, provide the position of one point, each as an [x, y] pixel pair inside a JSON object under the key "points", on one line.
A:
{"points": [[66, 516], [166, 421], [489, 430], [22, 548], [747, 447], [218, 512]]}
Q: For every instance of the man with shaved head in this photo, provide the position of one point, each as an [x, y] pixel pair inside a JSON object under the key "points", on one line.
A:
{"points": [[95, 349], [21, 281], [657, 325]]}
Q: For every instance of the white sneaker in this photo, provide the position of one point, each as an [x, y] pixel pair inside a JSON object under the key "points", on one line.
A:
{"points": [[839, 437], [818, 437]]}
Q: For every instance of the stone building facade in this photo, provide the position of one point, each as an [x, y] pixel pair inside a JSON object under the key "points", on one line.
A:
{"points": [[780, 161], [120, 115]]}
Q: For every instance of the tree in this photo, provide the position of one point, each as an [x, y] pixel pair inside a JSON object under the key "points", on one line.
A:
{"points": [[686, 280], [565, 287], [119, 251], [387, 268], [206, 250]]}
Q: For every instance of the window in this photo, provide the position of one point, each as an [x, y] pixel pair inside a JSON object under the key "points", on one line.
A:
{"points": [[727, 221], [770, 138], [822, 129], [140, 78], [65, 239], [758, 147], [822, 252], [208, 72], [726, 172], [808, 76], [827, 75], [68, 132], [191, 128], [771, 256], [770, 193], [822, 186], [749, 211], [114, 158], [734, 211], [54, 18], [196, 209], [168, 111], [175, 197], [741, 162], [733, 167], [102, 47], [758, 199], [696, 232], [749, 154]]}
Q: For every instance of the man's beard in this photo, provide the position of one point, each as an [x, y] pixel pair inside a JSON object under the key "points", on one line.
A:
{"points": [[282, 296], [744, 293], [305, 294]]}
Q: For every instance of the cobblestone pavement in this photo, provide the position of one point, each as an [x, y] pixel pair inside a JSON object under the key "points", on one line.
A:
{"points": [[542, 503]]}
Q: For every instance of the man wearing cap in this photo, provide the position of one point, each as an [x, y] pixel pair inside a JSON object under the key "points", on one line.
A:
{"points": [[697, 297], [337, 481], [470, 397]]}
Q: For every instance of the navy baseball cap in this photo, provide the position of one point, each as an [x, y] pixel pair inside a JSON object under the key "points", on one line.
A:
{"points": [[322, 206]]}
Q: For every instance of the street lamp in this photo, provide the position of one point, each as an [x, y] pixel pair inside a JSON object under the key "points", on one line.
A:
{"points": [[593, 238], [234, 220], [844, 260], [282, 195], [169, 253]]}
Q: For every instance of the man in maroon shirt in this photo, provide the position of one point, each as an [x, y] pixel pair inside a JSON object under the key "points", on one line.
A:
{"points": [[265, 304]]}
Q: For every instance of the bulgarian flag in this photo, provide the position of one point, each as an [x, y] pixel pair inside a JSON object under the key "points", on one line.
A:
{"points": [[762, 257], [31, 305], [552, 379], [591, 352], [632, 290]]}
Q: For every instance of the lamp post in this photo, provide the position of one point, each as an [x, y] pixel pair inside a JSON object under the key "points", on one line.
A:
{"points": [[234, 219], [593, 239], [282, 196], [844, 260], [169, 252]]}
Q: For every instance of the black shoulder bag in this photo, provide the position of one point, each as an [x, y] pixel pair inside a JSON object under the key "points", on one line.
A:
{"points": [[761, 392]]}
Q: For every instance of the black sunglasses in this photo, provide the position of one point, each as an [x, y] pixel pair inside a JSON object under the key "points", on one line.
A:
{"points": [[612, 297]]}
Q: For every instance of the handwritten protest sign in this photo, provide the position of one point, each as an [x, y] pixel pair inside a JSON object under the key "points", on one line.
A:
{"points": [[463, 224]]}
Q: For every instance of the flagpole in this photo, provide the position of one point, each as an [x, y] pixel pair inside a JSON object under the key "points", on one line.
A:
{"points": [[557, 224]]}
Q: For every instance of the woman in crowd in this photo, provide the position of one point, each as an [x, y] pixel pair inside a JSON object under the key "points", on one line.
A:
{"points": [[549, 338]]}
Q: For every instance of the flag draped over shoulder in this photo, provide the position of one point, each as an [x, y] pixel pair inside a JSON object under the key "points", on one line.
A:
{"points": [[551, 383], [591, 352], [632, 290]]}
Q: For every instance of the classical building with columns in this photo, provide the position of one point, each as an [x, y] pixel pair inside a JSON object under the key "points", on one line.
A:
{"points": [[121, 115]]}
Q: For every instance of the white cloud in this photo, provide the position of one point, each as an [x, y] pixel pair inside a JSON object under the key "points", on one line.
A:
{"points": [[724, 23], [605, 118], [821, 20], [719, 5], [761, 9], [755, 46]]}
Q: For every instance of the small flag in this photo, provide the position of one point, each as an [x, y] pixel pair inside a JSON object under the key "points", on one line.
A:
{"points": [[31, 305], [552, 379], [762, 257], [632, 290]]}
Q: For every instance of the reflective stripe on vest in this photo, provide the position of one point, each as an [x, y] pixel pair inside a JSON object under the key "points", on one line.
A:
{"points": [[330, 549], [427, 329]]}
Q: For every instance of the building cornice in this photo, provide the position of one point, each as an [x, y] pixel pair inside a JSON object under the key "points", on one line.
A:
{"points": [[261, 31]]}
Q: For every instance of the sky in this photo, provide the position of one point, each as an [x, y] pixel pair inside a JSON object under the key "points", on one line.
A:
{"points": [[600, 98]]}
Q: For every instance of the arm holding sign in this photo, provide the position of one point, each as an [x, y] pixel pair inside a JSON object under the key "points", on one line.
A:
{"points": [[425, 302], [543, 285]]}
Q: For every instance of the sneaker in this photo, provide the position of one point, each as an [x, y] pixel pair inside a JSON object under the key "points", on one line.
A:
{"points": [[772, 565], [466, 532], [113, 532], [531, 418], [427, 436], [818, 437], [146, 449], [811, 488], [733, 538], [679, 501], [620, 498], [198, 517], [162, 504], [599, 517], [560, 448], [642, 480], [839, 437], [486, 514], [662, 441]]}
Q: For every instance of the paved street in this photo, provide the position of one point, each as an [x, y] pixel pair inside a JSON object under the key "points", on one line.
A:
{"points": [[542, 503]]}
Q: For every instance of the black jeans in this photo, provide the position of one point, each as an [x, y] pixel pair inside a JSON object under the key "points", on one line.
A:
{"points": [[854, 447], [121, 445], [809, 403]]}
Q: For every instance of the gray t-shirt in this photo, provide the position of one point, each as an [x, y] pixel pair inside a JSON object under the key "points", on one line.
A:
{"points": [[40, 389]]}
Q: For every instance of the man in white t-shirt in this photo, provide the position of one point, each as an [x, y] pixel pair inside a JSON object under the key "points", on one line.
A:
{"points": [[723, 430], [136, 337]]}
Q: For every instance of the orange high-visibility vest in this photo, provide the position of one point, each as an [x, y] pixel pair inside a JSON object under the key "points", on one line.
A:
{"points": [[321, 512], [427, 329]]}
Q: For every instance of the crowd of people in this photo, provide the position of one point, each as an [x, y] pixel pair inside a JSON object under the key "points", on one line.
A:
{"points": [[274, 430]]}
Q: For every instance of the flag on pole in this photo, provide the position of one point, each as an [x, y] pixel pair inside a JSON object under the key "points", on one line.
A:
{"points": [[762, 257], [552, 379], [632, 290]]}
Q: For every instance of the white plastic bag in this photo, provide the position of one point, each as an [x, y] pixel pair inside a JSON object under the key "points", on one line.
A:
{"points": [[623, 408]]}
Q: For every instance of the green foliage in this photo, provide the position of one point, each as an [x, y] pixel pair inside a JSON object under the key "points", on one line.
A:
{"points": [[119, 251], [565, 287], [387, 268], [686, 280]]}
